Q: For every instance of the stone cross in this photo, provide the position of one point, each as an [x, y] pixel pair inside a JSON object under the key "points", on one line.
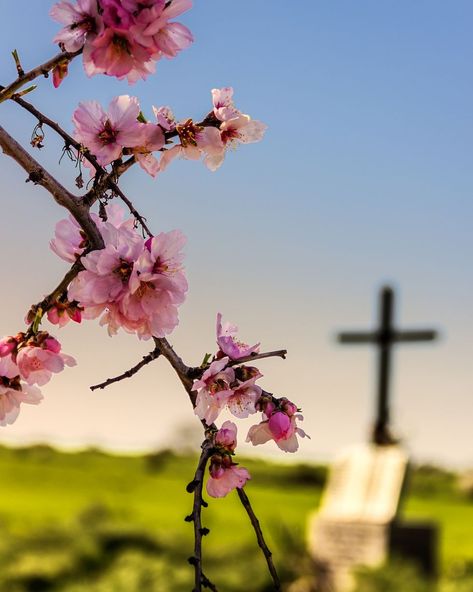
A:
{"points": [[384, 337]]}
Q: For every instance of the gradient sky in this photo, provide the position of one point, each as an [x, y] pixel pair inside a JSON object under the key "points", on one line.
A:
{"points": [[364, 177]]}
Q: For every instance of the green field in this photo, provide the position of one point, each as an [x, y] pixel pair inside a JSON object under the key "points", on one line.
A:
{"points": [[101, 523]]}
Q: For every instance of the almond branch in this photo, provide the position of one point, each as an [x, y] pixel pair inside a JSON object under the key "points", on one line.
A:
{"points": [[41, 70]]}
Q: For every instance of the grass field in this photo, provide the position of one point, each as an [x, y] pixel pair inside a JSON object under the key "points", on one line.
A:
{"points": [[102, 523]]}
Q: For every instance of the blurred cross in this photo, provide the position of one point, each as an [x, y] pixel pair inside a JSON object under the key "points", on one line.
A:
{"points": [[384, 337]]}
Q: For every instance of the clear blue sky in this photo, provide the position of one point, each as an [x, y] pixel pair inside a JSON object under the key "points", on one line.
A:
{"points": [[365, 176]]}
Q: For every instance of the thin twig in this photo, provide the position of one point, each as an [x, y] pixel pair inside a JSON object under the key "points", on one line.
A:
{"points": [[279, 353], [38, 175], [208, 584], [68, 139], [106, 180], [195, 487], [259, 535], [129, 373], [41, 70], [182, 370]]}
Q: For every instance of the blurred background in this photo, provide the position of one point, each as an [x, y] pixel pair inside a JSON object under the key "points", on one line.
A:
{"points": [[364, 177]]}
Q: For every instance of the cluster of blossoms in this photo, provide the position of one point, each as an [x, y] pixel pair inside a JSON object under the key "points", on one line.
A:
{"points": [[226, 128], [121, 38], [132, 283], [225, 475], [230, 384], [26, 362], [122, 129]]}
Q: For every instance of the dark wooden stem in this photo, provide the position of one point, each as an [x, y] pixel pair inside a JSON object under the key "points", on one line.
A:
{"points": [[259, 536], [279, 353], [129, 373], [196, 487], [38, 175], [206, 583], [105, 181], [181, 369]]}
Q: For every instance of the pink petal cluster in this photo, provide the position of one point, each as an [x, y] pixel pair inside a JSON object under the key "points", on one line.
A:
{"points": [[279, 425], [229, 345], [132, 284], [64, 311], [225, 127], [225, 475], [222, 386], [234, 127], [122, 38], [13, 392], [69, 239], [41, 357], [196, 141], [24, 363], [213, 390]]}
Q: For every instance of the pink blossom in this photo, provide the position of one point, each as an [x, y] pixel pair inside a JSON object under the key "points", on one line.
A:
{"points": [[69, 240], [241, 129], [107, 271], [226, 436], [280, 427], [105, 134], [116, 53], [80, 21], [157, 286], [115, 15], [165, 118], [222, 99], [63, 312], [8, 369], [153, 139], [225, 476], [242, 401], [126, 39], [213, 390], [196, 141], [12, 394], [235, 127], [8, 346], [229, 345], [37, 364], [153, 29]]}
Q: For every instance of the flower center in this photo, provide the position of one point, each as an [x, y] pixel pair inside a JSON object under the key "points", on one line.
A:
{"points": [[121, 44], [144, 287], [87, 24], [124, 270], [108, 135], [187, 133], [228, 135], [159, 266], [217, 385]]}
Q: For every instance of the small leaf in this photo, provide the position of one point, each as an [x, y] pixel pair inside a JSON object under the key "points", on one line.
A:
{"points": [[141, 118], [206, 359], [37, 320]]}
